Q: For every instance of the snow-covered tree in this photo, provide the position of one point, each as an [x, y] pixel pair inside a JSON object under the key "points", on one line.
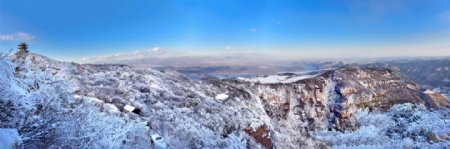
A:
{"points": [[402, 126], [45, 113]]}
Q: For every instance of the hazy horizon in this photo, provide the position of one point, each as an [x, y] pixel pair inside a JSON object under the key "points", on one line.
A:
{"points": [[81, 31]]}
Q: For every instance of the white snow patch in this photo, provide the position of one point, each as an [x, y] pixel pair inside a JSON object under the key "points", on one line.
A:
{"points": [[129, 108], [428, 91], [270, 79], [159, 105], [297, 78], [111, 108], [92, 99], [221, 96]]}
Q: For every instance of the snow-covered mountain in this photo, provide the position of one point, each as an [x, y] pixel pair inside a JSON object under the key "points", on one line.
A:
{"points": [[358, 107], [432, 73]]}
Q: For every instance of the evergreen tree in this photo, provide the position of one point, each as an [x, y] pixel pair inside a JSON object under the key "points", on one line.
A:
{"points": [[19, 57], [23, 48]]}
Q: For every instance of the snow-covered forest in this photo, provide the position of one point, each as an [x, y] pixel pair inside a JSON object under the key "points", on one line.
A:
{"points": [[402, 126], [87, 111], [46, 114], [54, 104]]}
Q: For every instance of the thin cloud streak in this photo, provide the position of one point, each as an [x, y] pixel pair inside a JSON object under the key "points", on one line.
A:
{"points": [[19, 36], [156, 51]]}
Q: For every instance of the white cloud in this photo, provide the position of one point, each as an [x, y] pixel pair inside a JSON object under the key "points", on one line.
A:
{"points": [[153, 52], [156, 49], [253, 30], [19, 36], [227, 48]]}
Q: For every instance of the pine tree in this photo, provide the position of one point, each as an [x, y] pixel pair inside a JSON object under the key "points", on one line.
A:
{"points": [[19, 57], [23, 48]]}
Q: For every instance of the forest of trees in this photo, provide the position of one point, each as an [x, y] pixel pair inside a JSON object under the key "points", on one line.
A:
{"points": [[46, 115]]}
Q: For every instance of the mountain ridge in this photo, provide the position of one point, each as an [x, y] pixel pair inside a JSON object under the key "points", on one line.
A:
{"points": [[253, 114]]}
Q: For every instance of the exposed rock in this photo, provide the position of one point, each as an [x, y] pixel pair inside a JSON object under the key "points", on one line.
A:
{"points": [[435, 100], [329, 100], [437, 138], [261, 135]]}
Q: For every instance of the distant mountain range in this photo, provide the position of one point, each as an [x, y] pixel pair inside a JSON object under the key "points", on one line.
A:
{"points": [[430, 72]]}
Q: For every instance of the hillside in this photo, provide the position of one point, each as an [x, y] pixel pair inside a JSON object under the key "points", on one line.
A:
{"points": [[432, 73], [358, 107]]}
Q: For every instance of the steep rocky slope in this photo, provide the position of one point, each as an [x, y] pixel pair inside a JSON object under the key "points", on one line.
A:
{"points": [[282, 111], [331, 99], [432, 73]]}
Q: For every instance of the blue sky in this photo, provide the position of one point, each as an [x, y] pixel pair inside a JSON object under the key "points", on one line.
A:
{"points": [[72, 29]]}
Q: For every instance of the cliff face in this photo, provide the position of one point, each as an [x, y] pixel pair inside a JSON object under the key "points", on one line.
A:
{"points": [[273, 111], [331, 99]]}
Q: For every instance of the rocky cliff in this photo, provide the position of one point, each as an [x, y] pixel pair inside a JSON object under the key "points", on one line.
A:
{"points": [[331, 99]]}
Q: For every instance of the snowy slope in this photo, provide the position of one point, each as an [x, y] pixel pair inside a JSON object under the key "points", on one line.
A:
{"points": [[282, 111], [188, 109], [271, 79]]}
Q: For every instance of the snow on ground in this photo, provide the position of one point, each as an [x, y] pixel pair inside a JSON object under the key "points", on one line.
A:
{"points": [[9, 138], [428, 91], [271, 79], [402, 126], [189, 111], [194, 118], [129, 108], [221, 96]]}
